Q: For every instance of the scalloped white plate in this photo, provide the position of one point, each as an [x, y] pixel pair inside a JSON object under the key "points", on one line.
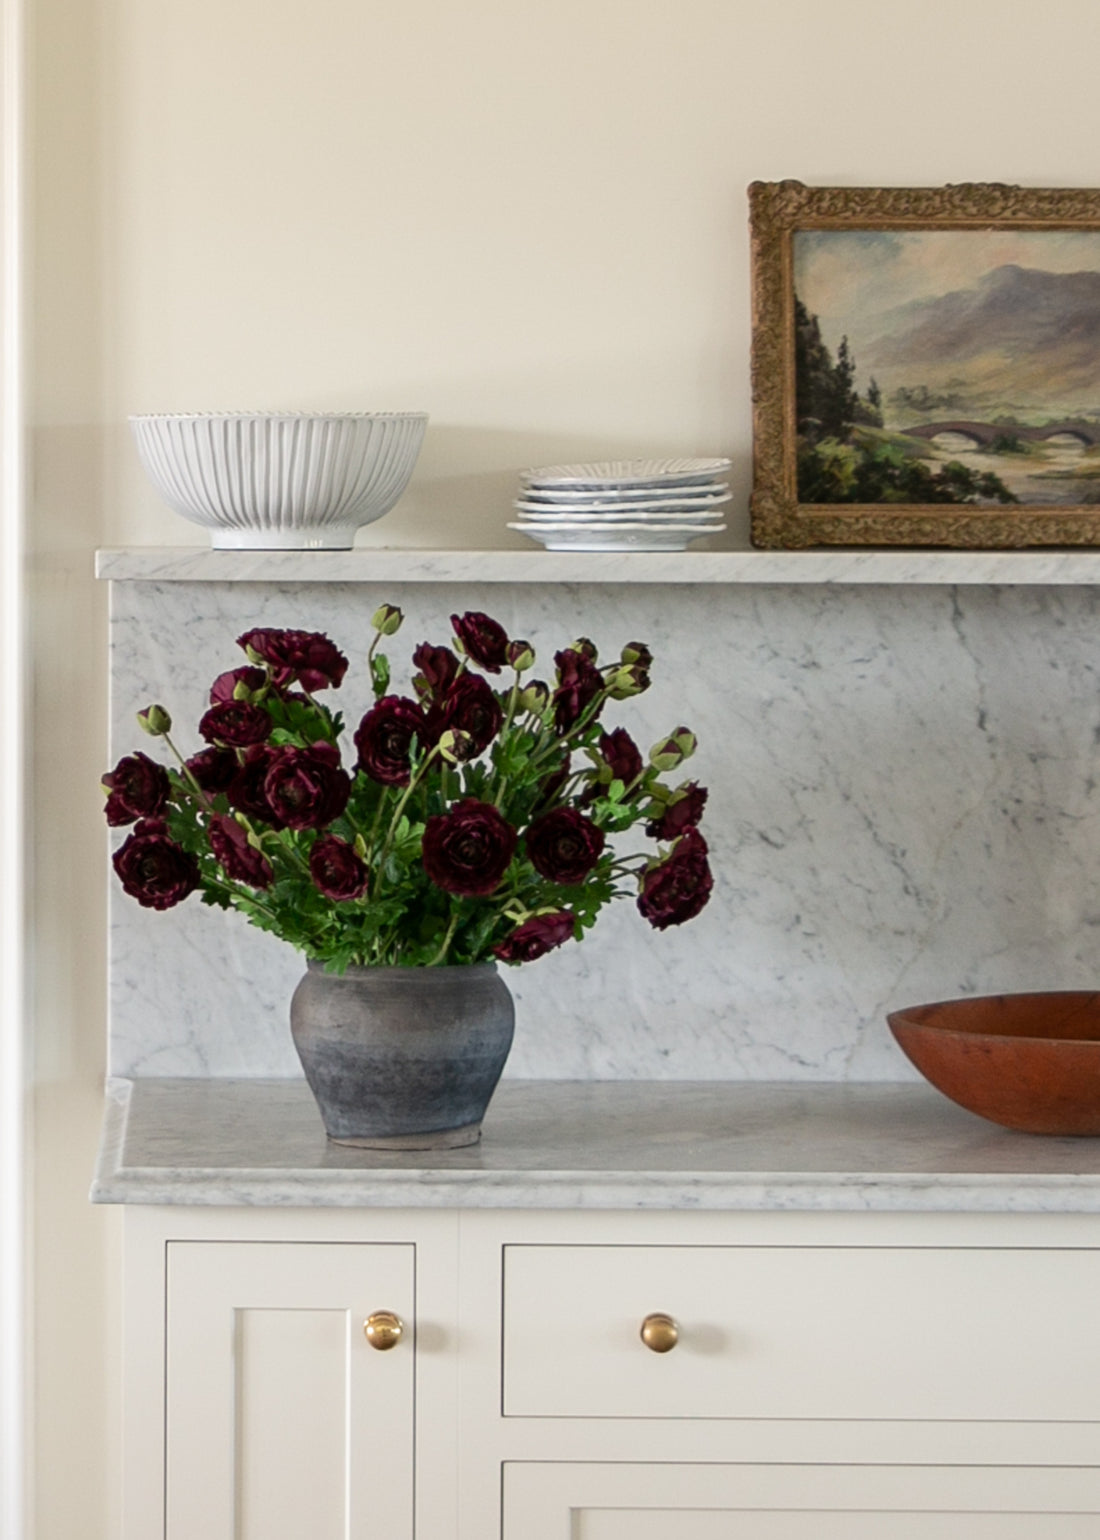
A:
{"points": [[685, 507], [617, 537], [627, 473], [628, 496]]}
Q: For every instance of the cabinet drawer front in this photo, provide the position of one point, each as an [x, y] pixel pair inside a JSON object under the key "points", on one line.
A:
{"points": [[984, 1334], [803, 1502]]}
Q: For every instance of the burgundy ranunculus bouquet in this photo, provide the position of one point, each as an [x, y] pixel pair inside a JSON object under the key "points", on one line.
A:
{"points": [[476, 820]]}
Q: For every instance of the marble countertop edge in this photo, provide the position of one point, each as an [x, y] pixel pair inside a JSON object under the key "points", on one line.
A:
{"points": [[735, 1146], [744, 564]]}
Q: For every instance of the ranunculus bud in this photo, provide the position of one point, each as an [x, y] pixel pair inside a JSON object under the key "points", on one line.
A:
{"points": [[586, 647], [387, 619], [456, 747], [155, 721], [627, 681], [521, 656], [535, 697], [673, 750], [637, 652]]}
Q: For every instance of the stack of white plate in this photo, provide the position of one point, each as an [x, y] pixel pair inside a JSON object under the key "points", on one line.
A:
{"points": [[623, 505]]}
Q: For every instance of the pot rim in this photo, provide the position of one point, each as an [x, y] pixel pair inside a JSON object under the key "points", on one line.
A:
{"points": [[415, 970]]}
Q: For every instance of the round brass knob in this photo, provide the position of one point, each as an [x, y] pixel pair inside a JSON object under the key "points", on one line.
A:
{"points": [[660, 1333], [383, 1330]]}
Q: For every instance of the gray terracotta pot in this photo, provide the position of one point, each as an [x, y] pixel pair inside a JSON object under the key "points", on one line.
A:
{"points": [[403, 1058]]}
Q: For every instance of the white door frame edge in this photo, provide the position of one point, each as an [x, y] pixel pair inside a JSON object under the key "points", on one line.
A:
{"points": [[14, 1054]]}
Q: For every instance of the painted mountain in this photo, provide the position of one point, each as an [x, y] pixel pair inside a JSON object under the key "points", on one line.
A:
{"points": [[1020, 340]]}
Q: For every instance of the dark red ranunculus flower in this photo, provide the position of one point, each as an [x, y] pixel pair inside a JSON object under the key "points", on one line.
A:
{"points": [[470, 707], [579, 683], [237, 723], [682, 814], [468, 850], [306, 788], [336, 870], [138, 788], [678, 888], [437, 667], [224, 685], [214, 769], [242, 861], [563, 845], [484, 639], [153, 868], [536, 936], [307, 658], [246, 790], [384, 739], [621, 755]]}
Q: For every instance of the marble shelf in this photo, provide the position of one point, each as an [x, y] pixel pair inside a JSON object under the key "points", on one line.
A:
{"points": [[657, 1145], [200, 564]]}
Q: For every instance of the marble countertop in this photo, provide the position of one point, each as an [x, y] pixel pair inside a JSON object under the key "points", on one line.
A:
{"points": [[726, 1145], [364, 564]]}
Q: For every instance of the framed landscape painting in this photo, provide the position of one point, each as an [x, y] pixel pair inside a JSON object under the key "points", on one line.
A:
{"points": [[926, 365]]}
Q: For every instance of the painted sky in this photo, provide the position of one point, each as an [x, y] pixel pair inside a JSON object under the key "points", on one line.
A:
{"points": [[855, 280]]}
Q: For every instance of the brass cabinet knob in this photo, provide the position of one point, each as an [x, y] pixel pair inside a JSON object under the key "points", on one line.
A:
{"points": [[660, 1333], [383, 1330]]}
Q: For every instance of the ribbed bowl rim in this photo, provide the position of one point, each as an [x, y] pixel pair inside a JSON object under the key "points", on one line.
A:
{"points": [[265, 416]]}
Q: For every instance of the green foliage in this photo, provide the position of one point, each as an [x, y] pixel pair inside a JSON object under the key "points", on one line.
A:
{"points": [[878, 472]]}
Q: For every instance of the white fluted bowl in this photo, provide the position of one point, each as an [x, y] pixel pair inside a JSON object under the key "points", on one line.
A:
{"points": [[289, 481]]}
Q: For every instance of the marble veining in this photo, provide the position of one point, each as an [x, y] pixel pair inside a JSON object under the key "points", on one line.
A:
{"points": [[903, 807], [598, 1145]]}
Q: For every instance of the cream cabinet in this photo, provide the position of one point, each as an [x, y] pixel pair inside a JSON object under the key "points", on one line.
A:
{"points": [[274, 1396], [865, 1376]]}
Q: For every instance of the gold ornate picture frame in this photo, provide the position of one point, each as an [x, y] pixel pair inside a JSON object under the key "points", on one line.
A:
{"points": [[925, 365]]}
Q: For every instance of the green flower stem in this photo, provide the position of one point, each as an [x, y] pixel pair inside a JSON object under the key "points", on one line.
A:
{"points": [[414, 782], [447, 939], [194, 785], [239, 891], [285, 843]]}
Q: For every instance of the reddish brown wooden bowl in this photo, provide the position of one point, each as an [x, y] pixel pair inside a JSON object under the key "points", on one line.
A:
{"points": [[1025, 1061]]}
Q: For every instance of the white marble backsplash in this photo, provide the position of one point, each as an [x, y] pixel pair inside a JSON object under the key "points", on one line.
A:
{"points": [[903, 807]]}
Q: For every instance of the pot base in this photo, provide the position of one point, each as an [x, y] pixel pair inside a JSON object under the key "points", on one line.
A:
{"points": [[444, 1139]]}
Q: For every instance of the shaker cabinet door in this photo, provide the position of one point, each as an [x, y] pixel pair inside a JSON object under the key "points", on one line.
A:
{"points": [[547, 1501], [283, 1422]]}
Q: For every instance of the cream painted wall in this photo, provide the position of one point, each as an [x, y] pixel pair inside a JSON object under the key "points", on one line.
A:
{"points": [[527, 219]]}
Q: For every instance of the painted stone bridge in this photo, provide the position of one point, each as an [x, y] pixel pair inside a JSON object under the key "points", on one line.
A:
{"points": [[984, 433]]}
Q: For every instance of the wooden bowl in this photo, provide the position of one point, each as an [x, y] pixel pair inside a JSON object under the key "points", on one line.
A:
{"points": [[1030, 1062]]}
